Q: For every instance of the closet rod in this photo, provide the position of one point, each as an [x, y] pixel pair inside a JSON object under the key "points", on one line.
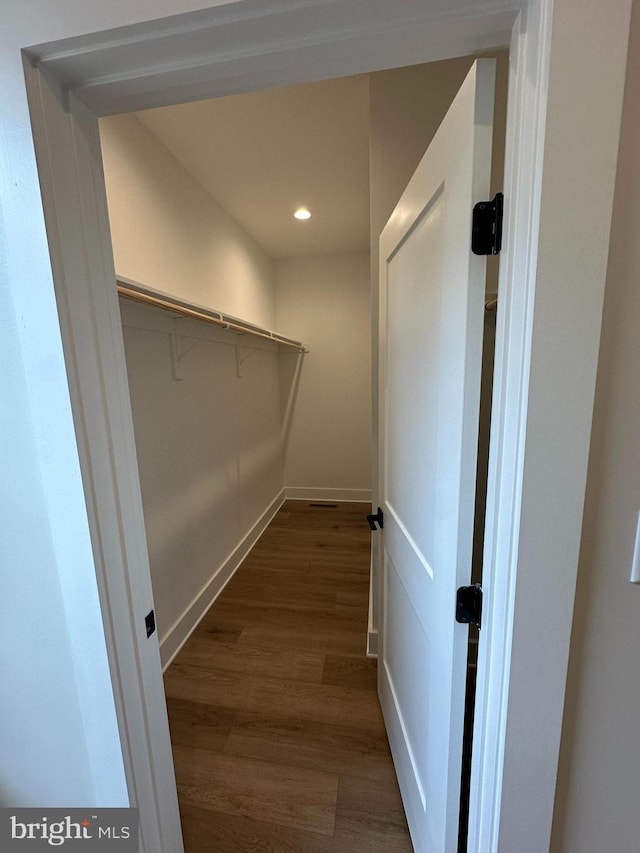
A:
{"points": [[202, 315]]}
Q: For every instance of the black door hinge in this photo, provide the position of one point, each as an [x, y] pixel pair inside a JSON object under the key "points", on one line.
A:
{"points": [[378, 517], [486, 231], [150, 622], [469, 605]]}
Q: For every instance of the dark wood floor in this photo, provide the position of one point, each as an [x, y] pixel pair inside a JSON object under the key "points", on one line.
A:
{"points": [[277, 733]]}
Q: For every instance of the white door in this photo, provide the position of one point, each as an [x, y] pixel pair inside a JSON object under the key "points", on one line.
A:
{"points": [[432, 301]]}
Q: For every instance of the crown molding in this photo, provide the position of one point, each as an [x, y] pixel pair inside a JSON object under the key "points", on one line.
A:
{"points": [[249, 44]]}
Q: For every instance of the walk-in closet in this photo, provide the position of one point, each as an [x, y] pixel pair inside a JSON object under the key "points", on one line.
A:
{"points": [[248, 335]]}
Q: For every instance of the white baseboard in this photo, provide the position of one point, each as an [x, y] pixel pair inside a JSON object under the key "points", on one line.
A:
{"points": [[309, 493], [184, 626], [372, 631], [372, 644]]}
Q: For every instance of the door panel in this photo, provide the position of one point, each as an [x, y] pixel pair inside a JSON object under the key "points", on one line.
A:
{"points": [[408, 676], [432, 302], [413, 324]]}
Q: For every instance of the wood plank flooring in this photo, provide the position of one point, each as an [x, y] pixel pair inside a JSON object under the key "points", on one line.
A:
{"points": [[277, 734]]}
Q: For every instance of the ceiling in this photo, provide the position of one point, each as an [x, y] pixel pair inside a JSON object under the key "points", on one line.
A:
{"points": [[264, 154]]}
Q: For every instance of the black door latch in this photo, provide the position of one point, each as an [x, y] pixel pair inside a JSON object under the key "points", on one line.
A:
{"points": [[486, 232], [377, 518], [150, 623], [469, 605]]}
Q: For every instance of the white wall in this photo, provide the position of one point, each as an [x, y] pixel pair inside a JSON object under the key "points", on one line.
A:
{"points": [[325, 302], [59, 739], [597, 797], [209, 446], [209, 455], [46, 759], [170, 234]]}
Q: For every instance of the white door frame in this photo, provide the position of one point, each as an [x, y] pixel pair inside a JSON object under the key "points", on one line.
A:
{"points": [[209, 53]]}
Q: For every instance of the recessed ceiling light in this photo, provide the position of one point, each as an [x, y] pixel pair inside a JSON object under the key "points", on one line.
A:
{"points": [[302, 213]]}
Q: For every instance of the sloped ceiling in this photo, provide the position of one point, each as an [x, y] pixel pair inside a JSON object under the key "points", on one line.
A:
{"points": [[264, 154]]}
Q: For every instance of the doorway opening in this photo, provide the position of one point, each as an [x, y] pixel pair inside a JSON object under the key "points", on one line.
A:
{"points": [[70, 83], [234, 412]]}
